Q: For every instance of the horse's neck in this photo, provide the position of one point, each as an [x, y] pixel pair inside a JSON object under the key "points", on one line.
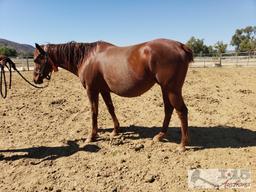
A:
{"points": [[72, 67], [63, 62], [70, 58]]}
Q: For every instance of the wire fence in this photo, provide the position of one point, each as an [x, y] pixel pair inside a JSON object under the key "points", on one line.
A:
{"points": [[230, 59]]}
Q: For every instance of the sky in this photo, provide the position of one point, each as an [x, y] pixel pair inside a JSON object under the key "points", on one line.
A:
{"points": [[123, 22]]}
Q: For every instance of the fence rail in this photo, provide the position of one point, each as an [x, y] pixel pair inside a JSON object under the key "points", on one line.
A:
{"points": [[232, 59], [238, 59], [24, 64]]}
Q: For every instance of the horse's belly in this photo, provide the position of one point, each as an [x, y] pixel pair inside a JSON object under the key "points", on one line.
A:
{"points": [[125, 75], [131, 89]]}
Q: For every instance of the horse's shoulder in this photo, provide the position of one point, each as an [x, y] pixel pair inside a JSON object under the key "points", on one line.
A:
{"points": [[103, 46]]}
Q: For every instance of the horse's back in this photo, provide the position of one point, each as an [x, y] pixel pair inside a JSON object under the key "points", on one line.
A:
{"points": [[132, 70]]}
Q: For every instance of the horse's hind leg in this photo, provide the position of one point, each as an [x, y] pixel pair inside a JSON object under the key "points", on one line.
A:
{"points": [[168, 109], [108, 101], [94, 100], [177, 102]]}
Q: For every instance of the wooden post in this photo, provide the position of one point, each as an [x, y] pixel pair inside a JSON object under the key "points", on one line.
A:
{"points": [[249, 55], [236, 59], [220, 59], [27, 62], [204, 61]]}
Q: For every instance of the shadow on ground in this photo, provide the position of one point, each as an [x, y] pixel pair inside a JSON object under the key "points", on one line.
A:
{"points": [[48, 153], [200, 137], [204, 137]]}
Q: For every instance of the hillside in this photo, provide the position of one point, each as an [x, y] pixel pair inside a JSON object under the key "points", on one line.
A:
{"points": [[20, 48]]}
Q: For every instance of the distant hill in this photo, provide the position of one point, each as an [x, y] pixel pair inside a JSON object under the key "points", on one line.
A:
{"points": [[22, 49]]}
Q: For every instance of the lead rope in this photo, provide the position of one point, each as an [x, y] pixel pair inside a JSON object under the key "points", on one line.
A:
{"points": [[29, 81], [3, 78], [3, 92]]}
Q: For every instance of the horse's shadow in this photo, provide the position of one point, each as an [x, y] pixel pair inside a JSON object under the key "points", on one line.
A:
{"points": [[48, 153], [200, 138]]}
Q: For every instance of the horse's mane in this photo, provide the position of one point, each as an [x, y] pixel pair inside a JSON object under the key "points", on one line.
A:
{"points": [[71, 53]]}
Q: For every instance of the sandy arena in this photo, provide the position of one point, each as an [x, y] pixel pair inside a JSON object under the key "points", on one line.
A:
{"points": [[43, 132]]}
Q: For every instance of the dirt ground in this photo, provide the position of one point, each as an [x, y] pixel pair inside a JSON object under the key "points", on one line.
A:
{"points": [[43, 132]]}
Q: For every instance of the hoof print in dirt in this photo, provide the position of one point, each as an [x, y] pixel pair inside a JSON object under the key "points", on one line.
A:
{"points": [[58, 102], [117, 141], [151, 178], [122, 160], [138, 147], [114, 189]]}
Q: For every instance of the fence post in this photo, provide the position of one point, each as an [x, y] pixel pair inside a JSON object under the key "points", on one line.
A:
{"points": [[249, 55], [204, 60], [220, 59], [236, 59], [27, 62]]}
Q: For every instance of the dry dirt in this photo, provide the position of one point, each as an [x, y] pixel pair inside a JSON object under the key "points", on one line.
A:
{"points": [[43, 132]]}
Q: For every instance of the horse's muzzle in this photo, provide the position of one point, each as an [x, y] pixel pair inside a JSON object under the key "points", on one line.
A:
{"points": [[38, 80]]}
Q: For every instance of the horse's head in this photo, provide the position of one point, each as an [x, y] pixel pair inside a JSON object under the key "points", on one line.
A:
{"points": [[43, 65]]}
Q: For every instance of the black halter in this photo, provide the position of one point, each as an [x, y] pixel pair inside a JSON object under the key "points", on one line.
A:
{"points": [[43, 68]]}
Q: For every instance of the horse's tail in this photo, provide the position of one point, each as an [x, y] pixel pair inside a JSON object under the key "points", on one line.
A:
{"points": [[188, 53]]}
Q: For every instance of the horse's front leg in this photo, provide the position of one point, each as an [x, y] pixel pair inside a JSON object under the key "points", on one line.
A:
{"points": [[94, 100]]}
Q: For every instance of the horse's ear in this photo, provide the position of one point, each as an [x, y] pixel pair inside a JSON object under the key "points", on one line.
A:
{"points": [[39, 48]]}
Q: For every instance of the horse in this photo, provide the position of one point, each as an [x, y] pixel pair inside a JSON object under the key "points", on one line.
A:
{"points": [[130, 71]]}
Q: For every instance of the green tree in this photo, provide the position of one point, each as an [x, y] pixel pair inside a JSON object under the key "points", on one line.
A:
{"points": [[220, 47], [9, 52], [212, 50], [197, 45], [244, 39], [26, 54]]}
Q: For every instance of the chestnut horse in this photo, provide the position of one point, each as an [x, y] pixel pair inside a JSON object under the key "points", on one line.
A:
{"points": [[126, 71]]}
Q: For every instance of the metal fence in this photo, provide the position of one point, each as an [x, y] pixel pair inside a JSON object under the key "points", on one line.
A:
{"points": [[231, 59], [24, 64]]}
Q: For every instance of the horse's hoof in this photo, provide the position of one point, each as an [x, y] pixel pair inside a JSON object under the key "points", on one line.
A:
{"points": [[113, 134], [181, 149], [91, 138], [159, 137], [156, 138]]}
